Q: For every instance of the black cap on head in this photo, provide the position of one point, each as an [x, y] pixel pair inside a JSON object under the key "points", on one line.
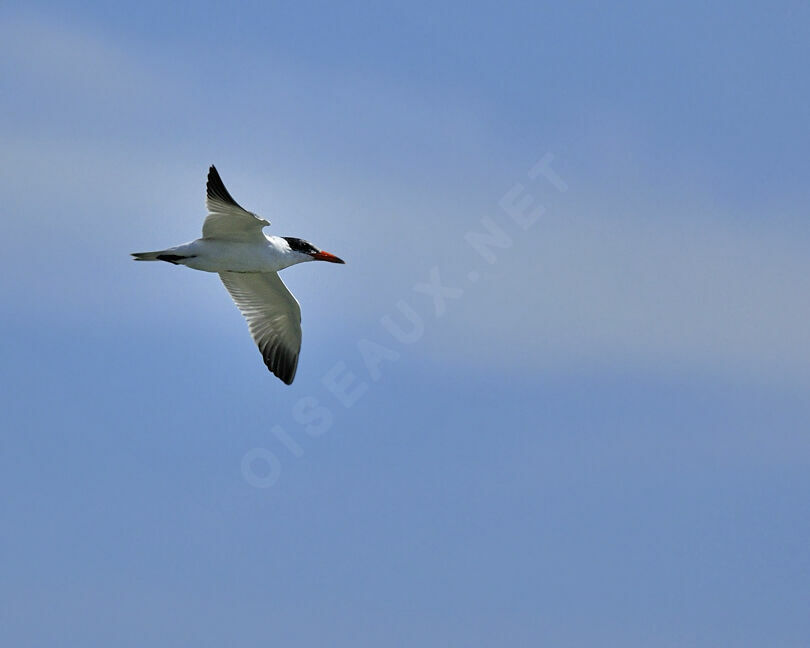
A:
{"points": [[300, 245]]}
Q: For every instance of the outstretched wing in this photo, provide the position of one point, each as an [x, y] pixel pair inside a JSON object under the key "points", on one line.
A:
{"points": [[273, 317], [227, 220]]}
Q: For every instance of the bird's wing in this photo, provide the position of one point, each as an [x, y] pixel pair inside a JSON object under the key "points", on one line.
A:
{"points": [[226, 220], [273, 316]]}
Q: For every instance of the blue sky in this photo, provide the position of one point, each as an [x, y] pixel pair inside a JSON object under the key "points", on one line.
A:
{"points": [[599, 438]]}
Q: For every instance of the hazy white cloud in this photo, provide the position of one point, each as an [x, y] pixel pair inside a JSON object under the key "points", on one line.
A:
{"points": [[593, 288]]}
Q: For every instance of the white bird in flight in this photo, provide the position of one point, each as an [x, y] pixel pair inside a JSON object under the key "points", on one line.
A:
{"points": [[248, 262]]}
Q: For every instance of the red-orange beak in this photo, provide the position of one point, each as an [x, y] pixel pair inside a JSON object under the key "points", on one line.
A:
{"points": [[325, 256]]}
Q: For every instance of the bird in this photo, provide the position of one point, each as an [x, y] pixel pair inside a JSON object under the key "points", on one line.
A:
{"points": [[234, 245]]}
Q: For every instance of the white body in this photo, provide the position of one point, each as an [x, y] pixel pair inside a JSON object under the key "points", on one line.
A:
{"points": [[214, 255]]}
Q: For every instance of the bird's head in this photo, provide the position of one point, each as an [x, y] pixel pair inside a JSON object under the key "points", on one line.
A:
{"points": [[308, 252]]}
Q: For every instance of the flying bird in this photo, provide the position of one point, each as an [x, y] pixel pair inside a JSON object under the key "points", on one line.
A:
{"points": [[234, 246]]}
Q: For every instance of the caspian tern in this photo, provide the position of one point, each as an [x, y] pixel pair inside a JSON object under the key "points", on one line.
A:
{"points": [[248, 262]]}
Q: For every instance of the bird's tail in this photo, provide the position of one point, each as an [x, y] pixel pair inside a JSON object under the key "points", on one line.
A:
{"points": [[147, 256], [160, 255]]}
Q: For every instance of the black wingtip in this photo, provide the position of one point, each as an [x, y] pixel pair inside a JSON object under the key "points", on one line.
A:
{"points": [[284, 371], [215, 188]]}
